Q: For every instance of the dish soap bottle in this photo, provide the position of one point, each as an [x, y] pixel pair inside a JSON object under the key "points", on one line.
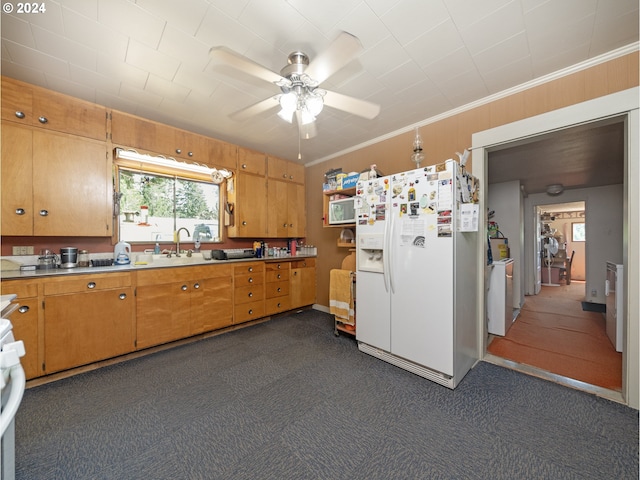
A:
{"points": [[156, 249]]}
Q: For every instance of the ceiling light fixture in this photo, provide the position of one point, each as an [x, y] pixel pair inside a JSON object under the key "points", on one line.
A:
{"points": [[302, 99], [417, 157], [555, 189]]}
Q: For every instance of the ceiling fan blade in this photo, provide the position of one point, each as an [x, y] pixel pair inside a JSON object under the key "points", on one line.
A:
{"points": [[255, 109], [352, 105], [222, 56], [341, 51]]}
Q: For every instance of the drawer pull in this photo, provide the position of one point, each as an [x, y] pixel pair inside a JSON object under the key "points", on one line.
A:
{"points": [[279, 276], [178, 151], [44, 213], [250, 294], [43, 120], [250, 280], [250, 269], [20, 114], [23, 309], [279, 289], [295, 274], [279, 266], [279, 304], [244, 223], [184, 288], [196, 285], [122, 296], [244, 165], [250, 311], [20, 211], [190, 154], [91, 285]]}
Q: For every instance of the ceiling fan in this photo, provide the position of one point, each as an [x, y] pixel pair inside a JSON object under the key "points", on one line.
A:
{"points": [[299, 82]]}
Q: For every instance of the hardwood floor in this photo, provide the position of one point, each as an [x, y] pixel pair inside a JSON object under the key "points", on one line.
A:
{"points": [[555, 338]]}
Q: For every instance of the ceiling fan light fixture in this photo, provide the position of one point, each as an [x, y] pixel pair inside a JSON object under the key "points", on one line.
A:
{"points": [[314, 104], [286, 115], [555, 189]]}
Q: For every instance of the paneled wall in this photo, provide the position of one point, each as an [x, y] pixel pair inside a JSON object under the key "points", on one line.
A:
{"points": [[443, 138]]}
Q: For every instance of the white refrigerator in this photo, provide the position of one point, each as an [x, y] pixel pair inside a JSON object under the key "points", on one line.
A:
{"points": [[417, 263]]}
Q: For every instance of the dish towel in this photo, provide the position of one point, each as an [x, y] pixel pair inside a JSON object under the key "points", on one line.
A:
{"points": [[341, 296]]}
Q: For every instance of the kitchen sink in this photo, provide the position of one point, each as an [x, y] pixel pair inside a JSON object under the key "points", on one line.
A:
{"points": [[148, 260]]}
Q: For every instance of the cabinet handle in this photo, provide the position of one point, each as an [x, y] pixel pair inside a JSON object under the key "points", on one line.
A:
{"points": [[122, 296], [190, 154], [284, 225], [44, 213], [183, 288], [284, 175], [279, 267], [278, 276], [250, 294], [43, 120], [279, 289], [20, 114], [295, 274], [244, 165], [20, 211], [250, 279], [279, 305], [290, 177], [244, 223], [196, 285], [178, 151], [251, 311], [91, 285], [23, 309], [250, 269]]}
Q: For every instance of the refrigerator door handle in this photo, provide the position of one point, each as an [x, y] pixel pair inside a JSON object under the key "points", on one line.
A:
{"points": [[385, 257], [606, 288], [389, 248]]}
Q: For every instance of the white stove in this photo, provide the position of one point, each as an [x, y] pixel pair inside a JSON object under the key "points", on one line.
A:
{"points": [[12, 384]]}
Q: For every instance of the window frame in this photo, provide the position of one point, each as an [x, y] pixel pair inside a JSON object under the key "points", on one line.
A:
{"points": [[573, 231]]}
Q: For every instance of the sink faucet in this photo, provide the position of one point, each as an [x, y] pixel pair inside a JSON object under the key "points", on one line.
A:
{"points": [[178, 239]]}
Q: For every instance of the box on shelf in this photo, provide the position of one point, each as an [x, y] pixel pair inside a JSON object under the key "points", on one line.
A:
{"points": [[350, 181]]}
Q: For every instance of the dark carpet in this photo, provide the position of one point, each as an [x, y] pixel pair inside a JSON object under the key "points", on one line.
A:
{"points": [[594, 307], [287, 399]]}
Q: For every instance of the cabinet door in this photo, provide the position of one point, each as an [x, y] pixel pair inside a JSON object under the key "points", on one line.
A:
{"points": [[212, 304], [250, 161], [191, 146], [163, 313], [71, 186], [25, 328], [17, 102], [131, 131], [55, 111], [87, 327], [222, 154], [277, 209], [17, 174], [296, 212], [303, 283], [250, 206]]}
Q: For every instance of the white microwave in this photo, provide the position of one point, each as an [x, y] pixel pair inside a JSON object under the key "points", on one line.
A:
{"points": [[342, 211]]}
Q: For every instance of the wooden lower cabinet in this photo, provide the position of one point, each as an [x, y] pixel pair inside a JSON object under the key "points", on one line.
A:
{"points": [[87, 318], [25, 321], [277, 287], [248, 293], [303, 282], [176, 303]]}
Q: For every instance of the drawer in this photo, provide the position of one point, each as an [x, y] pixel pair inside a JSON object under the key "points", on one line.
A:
{"points": [[277, 305], [276, 289], [247, 268], [248, 280], [248, 294], [306, 263], [21, 288], [277, 266], [276, 275], [248, 311], [86, 283]]}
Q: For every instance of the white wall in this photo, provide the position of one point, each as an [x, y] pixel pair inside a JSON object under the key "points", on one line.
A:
{"points": [[505, 199], [604, 232]]}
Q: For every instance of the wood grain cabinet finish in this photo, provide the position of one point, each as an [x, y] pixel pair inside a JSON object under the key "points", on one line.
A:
{"points": [[25, 321], [34, 106], [303, 282], [248, 294], [86, 319], [277, 287], [38, 170], [176, 303]]}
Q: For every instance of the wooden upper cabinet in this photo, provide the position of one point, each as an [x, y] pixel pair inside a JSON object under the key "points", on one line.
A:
{"points": [[38, 107], [250, 161], [135, 132], [191, 146], [222, 154], [16, 180], [280, 169]]}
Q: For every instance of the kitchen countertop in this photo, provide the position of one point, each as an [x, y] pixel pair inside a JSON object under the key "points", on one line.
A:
{"points": [[132, 267]]}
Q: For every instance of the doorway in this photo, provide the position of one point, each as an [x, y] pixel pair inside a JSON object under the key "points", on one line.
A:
{"points": [[623, 105]]}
